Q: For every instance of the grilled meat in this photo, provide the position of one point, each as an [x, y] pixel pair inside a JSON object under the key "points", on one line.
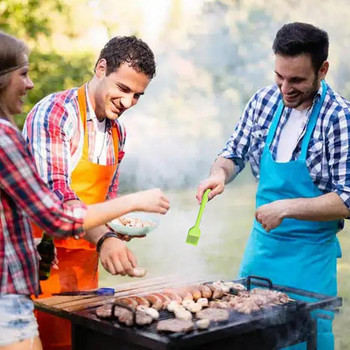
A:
{"points": [[235, 286], [124, 315], [104, 311], [272, 296], [203, 323], [164, 298], [175, 325], [195, 291], [173, 296], [219, 304], [217, 293], [141, 300], [203, 301], [155, 301], [213, 315], [128, 301], [206, 291], [142, 317]]}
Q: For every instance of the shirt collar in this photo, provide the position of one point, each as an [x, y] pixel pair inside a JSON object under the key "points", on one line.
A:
{"points": [[90, 112], [318, 93]]}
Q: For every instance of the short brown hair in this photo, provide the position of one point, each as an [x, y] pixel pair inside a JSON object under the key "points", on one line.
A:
{"points": [[302, 38], [131, 50]]}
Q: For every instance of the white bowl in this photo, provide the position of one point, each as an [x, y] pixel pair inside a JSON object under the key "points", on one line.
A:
{"points": [[136, 231]]}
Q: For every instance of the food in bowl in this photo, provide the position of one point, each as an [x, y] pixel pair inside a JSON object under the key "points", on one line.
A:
{"points": [[132, 222], [135, 224]]}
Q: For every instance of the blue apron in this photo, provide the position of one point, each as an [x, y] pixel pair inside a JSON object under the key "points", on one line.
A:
{"points": [[297, 253]]}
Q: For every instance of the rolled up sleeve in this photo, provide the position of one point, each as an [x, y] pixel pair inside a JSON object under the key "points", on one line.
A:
{"points": [[46, 133], [339, 155], [20, 181], [237, 147]]}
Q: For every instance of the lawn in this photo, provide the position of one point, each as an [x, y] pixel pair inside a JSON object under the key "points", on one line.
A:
{"points": [[225, 228]]}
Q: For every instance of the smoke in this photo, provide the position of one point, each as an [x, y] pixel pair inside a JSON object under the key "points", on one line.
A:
{"points": [[225, 227]]}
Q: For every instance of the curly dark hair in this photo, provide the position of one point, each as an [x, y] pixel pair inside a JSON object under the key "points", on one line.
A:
{"points": [[297, 38], [131, 50]]}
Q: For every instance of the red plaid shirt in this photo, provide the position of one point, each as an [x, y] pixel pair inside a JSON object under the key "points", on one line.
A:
{"points": [[23, 197]]}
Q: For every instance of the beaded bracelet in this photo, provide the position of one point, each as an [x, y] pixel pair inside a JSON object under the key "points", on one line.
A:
{"points": [[102, 239]]}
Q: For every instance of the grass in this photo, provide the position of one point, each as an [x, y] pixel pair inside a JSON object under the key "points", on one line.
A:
{"points": [[225, 228]]}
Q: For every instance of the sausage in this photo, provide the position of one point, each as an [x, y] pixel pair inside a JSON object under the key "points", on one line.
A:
{"points": [[195, 291], [155, 301], [127, 301], [141, 300], [185, 294], [217, 292], [173, 296], [206, 291], [165, 299]]}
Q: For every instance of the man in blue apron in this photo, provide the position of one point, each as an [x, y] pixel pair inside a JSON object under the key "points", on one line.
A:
{"points": [[295, 134]]}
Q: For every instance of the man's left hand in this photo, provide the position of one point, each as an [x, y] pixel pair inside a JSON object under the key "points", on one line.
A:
{"points": [[271, 215]]}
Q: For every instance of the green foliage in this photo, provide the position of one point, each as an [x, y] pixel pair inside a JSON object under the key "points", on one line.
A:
{"points": [[28, 18], [52, 72], [34, 21]]}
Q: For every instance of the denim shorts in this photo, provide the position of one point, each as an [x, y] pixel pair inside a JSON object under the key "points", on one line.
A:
{"points": [[17, 320]]}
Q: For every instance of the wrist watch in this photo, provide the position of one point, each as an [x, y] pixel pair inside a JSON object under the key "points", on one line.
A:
{"points": [[102, 239]]}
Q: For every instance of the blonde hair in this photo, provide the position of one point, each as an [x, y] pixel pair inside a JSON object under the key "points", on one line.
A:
{"points": [[11, 58]]}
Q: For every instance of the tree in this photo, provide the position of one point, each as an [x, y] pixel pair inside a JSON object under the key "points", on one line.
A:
{"points": [[50, 70]]}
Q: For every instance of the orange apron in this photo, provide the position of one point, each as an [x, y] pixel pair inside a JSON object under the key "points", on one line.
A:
{"points": [[78, 259]]}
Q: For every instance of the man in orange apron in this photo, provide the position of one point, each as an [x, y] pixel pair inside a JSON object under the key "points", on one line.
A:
{"points": [[77, 142]]}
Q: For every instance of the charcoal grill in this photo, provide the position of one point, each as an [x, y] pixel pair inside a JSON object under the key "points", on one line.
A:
{"points": [[279, 326]]}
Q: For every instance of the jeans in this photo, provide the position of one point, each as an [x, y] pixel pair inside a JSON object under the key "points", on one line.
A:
{"points": [[17, 320]]}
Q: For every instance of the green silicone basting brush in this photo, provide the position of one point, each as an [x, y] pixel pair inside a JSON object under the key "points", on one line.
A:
{"points": [[195, 232]]}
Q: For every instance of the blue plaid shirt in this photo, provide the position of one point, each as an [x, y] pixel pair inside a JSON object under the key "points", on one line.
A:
{"points": [[328, 156]]}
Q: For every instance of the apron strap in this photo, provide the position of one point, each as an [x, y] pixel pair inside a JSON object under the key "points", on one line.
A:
{"points": [[312, 122], [275, 120], [310, 126], [83, 115]]}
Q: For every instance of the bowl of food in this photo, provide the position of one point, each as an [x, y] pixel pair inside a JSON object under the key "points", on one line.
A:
{"points": [[135, 223]]}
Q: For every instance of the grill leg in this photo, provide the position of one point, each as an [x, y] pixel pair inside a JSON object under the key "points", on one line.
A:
{"points": [[312, 338]]}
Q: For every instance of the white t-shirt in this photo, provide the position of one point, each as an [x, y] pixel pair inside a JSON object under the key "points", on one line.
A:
{"points": [[291, 133], [100, 151]]}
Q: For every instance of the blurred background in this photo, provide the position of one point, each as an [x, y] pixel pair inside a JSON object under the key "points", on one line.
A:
{"points": [[212, 55]]}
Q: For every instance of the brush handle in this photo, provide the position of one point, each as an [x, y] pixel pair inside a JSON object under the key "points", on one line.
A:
{"points": [[201, 208]]}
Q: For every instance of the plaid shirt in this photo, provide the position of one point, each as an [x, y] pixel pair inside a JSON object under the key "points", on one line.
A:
{"points": [[328, 153], [55, 134], [24, 196]]}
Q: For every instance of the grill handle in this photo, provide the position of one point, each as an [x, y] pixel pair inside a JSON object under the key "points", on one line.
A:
{"points": [[330, 304], [264, 279]]}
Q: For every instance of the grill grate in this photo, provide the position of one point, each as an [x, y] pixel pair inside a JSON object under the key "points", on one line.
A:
{"points": [[277, 314], [265, 323]]}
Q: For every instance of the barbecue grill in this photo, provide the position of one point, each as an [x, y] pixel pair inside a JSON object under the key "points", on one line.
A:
{"points": [[273, 328]]}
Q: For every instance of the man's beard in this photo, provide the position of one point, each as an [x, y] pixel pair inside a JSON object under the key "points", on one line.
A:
{"points": [[307, 96]]}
